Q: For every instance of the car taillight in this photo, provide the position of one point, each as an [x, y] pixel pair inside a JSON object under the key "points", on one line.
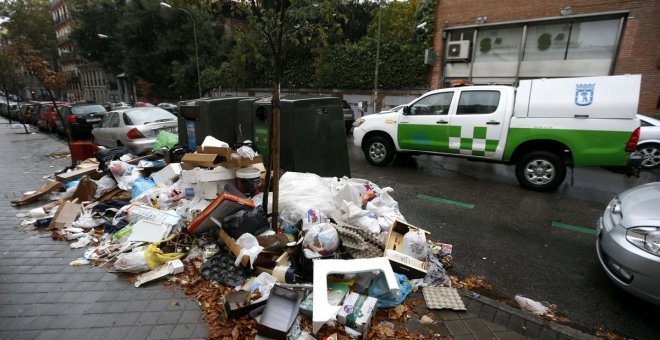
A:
{"points": [[134, 133], [71, 119], [632, 142]]}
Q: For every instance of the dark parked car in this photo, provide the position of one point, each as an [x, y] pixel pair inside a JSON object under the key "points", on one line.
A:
{"points": [[81, 119]]}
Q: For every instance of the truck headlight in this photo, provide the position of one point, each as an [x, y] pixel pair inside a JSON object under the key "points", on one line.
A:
{"points": [[645, 238], [359, 122]]}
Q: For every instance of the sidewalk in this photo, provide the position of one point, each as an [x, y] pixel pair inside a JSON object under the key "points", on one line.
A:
{"points": [[42, 297]]}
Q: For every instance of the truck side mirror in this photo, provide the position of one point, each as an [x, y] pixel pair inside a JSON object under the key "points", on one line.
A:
{"points": [[406, 110]]}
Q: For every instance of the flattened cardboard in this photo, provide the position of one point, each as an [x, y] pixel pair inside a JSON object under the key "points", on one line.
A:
{"points": [[167, 174], [43, 191], [86, 168], [66, 214], [400, 263], [85, 190], [233, 247], [280, 313]]}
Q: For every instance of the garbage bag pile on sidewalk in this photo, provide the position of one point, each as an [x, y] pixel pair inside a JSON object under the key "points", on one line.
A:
{"points": [[341, 250]]}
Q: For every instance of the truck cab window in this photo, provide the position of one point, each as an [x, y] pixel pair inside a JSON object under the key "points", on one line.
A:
{"points": [[478, 102], [435, 104]]}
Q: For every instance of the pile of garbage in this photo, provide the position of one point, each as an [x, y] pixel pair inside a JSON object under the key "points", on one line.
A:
{"points": [[341, 249]]}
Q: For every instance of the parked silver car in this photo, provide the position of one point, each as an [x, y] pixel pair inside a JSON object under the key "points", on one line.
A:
{"points": [[649, 142], [135, 128], [628, 244]]}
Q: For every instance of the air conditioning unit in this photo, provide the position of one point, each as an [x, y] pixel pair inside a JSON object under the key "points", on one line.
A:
{"points": [[458, 50]]}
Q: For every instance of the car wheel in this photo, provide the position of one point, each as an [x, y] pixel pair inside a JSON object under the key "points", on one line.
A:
{"points": [[650, 155], [540, 170], [379, 151]]}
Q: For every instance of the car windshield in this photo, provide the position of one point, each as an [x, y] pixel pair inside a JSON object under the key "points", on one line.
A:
{"points": [[152, 115], [86, 109]]}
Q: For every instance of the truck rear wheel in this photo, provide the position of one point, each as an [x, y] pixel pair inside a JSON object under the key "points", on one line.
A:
{"points": [[379, 151], [540, 170]]}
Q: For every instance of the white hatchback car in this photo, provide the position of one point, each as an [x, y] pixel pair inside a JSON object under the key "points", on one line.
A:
{"points": [[135, 128], [628, 244]]}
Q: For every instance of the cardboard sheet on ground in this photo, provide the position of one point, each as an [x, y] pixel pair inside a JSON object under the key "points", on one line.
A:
{"points": [[65, 215], [43, 191], [172, 267]]}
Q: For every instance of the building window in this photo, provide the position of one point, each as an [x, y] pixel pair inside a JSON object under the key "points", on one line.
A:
{"points": [[498, 44], [547, 42], [593, 40]]}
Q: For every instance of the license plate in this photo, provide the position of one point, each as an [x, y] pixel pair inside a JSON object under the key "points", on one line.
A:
{"points": [[94, 120], [172, 130]]}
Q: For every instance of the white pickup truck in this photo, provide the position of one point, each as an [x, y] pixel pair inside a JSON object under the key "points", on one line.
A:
{"points": [[542, 126]]}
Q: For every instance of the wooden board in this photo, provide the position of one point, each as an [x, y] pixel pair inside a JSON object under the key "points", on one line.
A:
{"points": [[44, 190]]}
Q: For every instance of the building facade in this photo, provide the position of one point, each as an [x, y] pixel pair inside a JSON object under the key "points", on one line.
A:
{"points": [[502, 42], [68, 58]]}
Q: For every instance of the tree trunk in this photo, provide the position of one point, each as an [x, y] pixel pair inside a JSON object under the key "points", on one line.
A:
{"points": [[275, 156], [59, 115]]}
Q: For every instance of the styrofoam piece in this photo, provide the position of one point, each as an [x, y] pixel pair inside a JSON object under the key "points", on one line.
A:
{"points": [[198, 175], [167, 174], [147, 231], [322, 310], [171, 267]]}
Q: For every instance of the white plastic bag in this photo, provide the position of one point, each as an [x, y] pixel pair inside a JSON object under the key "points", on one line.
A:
{"points": [[414, 244], [211, 141], [302, 191], [263, 283], [320, 240], [246, 152], [353, 214], [133, 262], [531, 305], [103, 185], [249, 247]]}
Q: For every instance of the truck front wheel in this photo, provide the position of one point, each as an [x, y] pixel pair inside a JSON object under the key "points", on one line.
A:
{"points": [[540, 170], [379, 151]]}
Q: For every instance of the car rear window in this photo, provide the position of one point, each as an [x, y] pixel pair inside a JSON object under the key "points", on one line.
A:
{"points": [[86, 109], [139, 117]]}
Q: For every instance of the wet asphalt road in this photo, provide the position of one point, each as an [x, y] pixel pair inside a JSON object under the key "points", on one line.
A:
{"points": [[508, 236]]}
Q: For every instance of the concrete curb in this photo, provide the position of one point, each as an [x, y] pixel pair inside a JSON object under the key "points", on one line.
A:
{"points": [[520, 321]]}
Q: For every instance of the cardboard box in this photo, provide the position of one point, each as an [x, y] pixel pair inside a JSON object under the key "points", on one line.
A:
{"points": [[280, 313], [357, 312], [225, 152], [402, 263], [66, 214], [191, 160], [242, 162]]}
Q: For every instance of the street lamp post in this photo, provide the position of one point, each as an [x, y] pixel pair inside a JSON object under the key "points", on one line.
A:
{"points": [[199, 84]]}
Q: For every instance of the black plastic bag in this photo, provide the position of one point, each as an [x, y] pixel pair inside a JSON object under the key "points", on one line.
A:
{"points": [[245, 221]]}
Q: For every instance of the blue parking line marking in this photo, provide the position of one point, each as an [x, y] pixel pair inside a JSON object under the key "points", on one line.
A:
{"points": [[445, 201], [574, 228]]}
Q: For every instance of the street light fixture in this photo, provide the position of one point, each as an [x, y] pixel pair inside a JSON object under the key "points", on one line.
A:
{"points": [[199, 84], [102, 36]]}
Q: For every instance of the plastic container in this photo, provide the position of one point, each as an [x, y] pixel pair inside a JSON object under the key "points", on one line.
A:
{"points": [[80, 151], [249, 180]]}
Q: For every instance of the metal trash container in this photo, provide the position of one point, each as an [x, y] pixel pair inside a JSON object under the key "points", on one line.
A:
{"points": [[209, 117], [312, 134]]}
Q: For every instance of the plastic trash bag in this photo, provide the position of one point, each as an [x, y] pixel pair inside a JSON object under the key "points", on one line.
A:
{"points": [[133, 262], [156, 257], [386, 208], [103, 185], [249, 247], [165, 140], [320, 240], [263, 283], [141, 185], [353, 214], [531, 305], [414, 244], [380, 290], [252, 222]]}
